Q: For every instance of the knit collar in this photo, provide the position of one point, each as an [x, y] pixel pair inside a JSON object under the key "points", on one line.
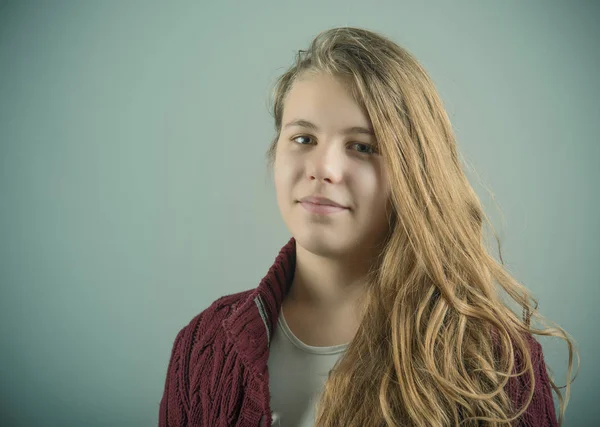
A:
{"points": [[251, 324]]}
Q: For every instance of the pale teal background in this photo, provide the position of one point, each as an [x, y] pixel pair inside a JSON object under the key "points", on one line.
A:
{"points": [[134, 191]]}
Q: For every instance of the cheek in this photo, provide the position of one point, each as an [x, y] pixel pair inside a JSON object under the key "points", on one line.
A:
{"points": [[284, 178], [373, 193], [366, 185], [286, 169], [280, 184]]}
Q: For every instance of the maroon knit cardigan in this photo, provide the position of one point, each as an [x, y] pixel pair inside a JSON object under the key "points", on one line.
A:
{"points": [[217, 373]]}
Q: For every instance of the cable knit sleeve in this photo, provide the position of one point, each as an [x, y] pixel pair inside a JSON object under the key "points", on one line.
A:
{"points": [[540, 412], [172, 412], [186, 395]]}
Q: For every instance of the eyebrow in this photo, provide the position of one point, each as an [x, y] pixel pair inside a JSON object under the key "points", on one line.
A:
{"points": [[350, 130]]}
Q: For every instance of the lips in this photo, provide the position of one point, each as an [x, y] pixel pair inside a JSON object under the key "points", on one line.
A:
{"points": [[321, 201], [321, 209]]}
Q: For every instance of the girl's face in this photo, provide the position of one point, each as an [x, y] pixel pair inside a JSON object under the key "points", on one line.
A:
{"points": [[323, 152]]}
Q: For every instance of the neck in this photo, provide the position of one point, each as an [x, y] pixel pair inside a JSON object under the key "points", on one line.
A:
{"points": [[328, 283]]}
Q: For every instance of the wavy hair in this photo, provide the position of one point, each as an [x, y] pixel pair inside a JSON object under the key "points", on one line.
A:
{"points": [[437, 343]]}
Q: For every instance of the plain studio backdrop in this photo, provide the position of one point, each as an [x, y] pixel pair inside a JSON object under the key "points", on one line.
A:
{"points": [[134, 190]]}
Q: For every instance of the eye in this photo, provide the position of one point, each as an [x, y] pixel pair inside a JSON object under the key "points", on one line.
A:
{"points": [[365, 148], [300, 136]]}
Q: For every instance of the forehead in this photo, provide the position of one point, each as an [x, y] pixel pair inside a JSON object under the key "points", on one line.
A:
{"points": [[323, 98]]}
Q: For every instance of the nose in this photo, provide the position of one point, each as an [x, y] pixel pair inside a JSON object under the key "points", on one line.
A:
{"points": [[326, 163]]}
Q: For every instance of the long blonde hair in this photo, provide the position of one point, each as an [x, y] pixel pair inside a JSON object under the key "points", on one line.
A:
{"points": [[437, 344]]}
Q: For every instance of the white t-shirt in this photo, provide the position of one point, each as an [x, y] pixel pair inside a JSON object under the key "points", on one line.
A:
{"points": [[297, 374]]}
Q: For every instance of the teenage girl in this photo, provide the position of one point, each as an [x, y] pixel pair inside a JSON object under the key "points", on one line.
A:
{"points": [[384, 308]]}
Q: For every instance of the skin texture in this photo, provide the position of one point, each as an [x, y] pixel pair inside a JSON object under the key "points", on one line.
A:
{"points": [[333, 251]]}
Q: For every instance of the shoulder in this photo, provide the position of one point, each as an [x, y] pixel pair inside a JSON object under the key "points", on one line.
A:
{"points": [[540, 410], [190, 360], [535, 353], [203, 332], [206, 325], [533, 347]]}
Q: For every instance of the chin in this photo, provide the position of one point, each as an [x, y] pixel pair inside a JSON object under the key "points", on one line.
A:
{"points": [[322, 243]]}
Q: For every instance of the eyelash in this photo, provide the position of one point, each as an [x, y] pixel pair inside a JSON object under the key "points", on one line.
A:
{"points": [[372, 149]]}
